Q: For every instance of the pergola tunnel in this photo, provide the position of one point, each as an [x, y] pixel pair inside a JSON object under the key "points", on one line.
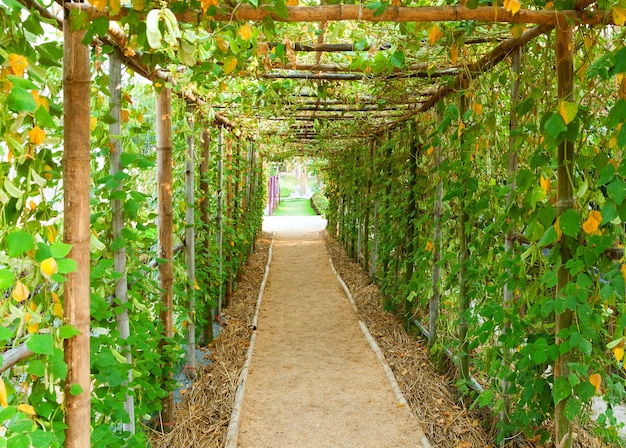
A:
{"points": [[471, 174]]}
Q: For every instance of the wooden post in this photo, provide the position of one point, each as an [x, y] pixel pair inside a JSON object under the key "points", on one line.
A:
{"points": [[516, 56], [117, 224], [228, 293], [410, 228], [165, 251], [76, 184], [190, 244], [565, 201], [464, 302], [206, 219], [437, 245], [220, 221]]}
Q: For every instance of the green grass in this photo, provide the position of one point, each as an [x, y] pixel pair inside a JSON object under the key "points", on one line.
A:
{"points": [[294, 207]]}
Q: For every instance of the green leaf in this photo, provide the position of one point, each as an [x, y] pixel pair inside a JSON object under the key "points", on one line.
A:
{"points": [[280, 7], [7, 278], [397, 59], [606, 174], [585, 390], [68, 331], [554, 126], [570, 223], [572, 408], [37, 367], [40, 438], [60, 250], [617, 114], [549, 237], [19, 242], [76, 389], [379, 8], [41, 343], [21, 100], [23, 83], [609, 212], [561, 389], [66, 266]]}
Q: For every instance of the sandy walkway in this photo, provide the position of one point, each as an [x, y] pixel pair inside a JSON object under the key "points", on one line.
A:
{"points": [[314, 381]]}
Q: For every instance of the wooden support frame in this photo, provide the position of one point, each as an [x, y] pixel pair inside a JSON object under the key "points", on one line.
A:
{"points": [[76, 232], [190, 243], [165, 239]]}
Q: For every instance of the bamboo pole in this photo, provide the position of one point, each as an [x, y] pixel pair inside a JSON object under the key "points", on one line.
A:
{"points": [[206, 220], [401, 14], [437, 246], [411, 216], [76, 182], [190, 244], [228, 293], [464, 301], [395, 14], [565, 201], [117, 224], [165, 251], [220, 220], [509, 238]]}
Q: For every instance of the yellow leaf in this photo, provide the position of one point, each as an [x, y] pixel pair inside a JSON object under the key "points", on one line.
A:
{"points": [[430, 150], [477, 108], [557, 228], [195, 285], [206, 4], [230, 65], [454, 54], [245, 32], [429, 246], [460, 131], [36, 135], [292, 2], [595, 215], [20, 292], [139, 5], [93, 122], [544, 182], [51, 232], [568, 111], [33, 328], [41, 101], [623, 271], [512, 5], [115, 6], [591, 225], [434, 34], [49, 267], [396, 2], [26, 409], [619, 15], [618, 352], [596, 380], [612, 142], [517, 30], [18, 64], [124, 114], [222, 44], [3, 394], [99, 4]]}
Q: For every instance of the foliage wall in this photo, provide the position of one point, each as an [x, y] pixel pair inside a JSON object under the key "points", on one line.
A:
{"points": [[382, 198], [33, 262]]}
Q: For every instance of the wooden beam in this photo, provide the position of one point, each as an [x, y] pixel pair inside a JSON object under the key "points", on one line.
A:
{"points": [[413, 71], [397, 14], [487, 14]]}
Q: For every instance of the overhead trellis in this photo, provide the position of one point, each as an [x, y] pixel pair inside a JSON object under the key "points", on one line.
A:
{"points": [[388, 82]]}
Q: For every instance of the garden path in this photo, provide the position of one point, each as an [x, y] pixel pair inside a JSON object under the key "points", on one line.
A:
{"points": [[314, 381]]}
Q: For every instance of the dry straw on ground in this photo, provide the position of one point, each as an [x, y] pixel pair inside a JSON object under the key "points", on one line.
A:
{"points": [[203, 415]]}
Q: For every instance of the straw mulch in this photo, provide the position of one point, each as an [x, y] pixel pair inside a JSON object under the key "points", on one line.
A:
{"points": [[445, 420], [203, 415]]}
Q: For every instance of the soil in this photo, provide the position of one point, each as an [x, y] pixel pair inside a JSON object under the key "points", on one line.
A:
{"points": [[314, 381]]}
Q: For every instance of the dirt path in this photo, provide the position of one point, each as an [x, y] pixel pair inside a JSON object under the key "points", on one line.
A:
{"points": [[314, 380]]}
